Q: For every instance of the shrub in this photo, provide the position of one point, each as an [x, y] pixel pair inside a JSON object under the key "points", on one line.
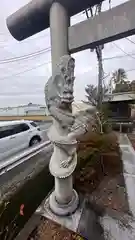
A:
{"points": [[92, 146]]}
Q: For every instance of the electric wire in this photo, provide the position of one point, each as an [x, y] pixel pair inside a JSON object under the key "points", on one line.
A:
{"points": [[27, 70], [24, 57], [123, 51]]}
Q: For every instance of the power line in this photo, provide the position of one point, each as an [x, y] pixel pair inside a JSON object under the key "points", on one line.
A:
{"points": [[28, 70], [123, 50], [119, 56], [19, 58], [34, 54], [24, 57], [40, 65]]}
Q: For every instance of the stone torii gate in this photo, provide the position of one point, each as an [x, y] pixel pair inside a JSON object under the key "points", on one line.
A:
{"points": [[65, 39], [31, 19], [40, 14]]}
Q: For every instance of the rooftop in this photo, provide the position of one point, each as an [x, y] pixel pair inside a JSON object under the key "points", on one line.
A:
{"points": [[117, 97]]}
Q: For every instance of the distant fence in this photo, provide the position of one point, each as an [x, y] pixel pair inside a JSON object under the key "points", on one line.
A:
{"points": [[30, 117]]}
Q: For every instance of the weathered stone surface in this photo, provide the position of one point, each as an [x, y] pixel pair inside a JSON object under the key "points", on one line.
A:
{"points": [[59, 97], [106, 27], [66, 127], [63, 133], [34, 17]]}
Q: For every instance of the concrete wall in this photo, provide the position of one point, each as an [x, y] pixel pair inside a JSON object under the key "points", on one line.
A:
{"points": [[111, 25], [30, 110], [33, 118]]}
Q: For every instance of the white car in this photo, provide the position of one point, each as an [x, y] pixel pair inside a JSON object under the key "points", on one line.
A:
{"points": [[16, 136]]}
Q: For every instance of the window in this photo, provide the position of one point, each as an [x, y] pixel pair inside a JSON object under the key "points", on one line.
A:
{"points": [[33, 124], [6, 131], [20, 128], [24, 127]]}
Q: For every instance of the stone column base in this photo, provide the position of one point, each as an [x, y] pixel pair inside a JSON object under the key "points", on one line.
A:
{"points": [[63, 209]]}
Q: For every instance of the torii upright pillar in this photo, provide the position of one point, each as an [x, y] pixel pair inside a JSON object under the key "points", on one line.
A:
{"points": [[64, 200], [59, 23]]}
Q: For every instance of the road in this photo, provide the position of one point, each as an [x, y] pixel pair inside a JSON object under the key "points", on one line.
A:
{"points": [[21, 172]]}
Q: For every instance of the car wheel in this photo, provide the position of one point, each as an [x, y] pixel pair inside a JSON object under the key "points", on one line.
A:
{"points": [[34, 141]]}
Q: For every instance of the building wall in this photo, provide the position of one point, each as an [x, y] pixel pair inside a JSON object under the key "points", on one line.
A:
{"points": [[32, 118], [37, 110], [31, 109]]}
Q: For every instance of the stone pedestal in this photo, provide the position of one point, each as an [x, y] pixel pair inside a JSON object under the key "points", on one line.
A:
{"points": [[64, 200], [70, 221]]}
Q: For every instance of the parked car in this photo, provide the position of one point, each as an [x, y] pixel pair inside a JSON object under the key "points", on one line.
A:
{"points": [[17, 135]]}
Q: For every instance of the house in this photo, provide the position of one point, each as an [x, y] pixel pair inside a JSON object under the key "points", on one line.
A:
{"points": [[121, 108]]}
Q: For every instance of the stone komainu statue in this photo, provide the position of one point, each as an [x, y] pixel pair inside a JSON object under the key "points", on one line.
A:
{"points": [[66, 127]]}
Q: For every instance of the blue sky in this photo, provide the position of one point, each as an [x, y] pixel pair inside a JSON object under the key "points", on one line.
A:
{"points": [[29, 86]]}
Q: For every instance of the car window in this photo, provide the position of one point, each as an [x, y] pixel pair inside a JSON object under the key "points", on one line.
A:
{"points": [[20, 128], [24, 127], [33, 124], [6, 131]]}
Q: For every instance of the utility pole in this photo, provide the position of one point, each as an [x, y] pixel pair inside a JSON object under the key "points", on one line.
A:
{"points": [[100, 75], [99, 58]]}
